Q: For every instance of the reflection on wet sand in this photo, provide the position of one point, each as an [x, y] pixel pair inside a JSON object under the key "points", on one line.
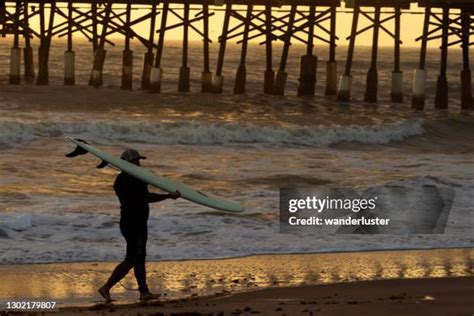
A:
{"points": [[76, 283]]}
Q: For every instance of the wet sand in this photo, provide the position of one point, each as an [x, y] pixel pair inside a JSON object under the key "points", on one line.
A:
{"points": [[75, 284], [438, 296]]}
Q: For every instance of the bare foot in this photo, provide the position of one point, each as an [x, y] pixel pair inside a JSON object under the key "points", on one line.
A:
{"points": [[147, 296], [105, 294]]}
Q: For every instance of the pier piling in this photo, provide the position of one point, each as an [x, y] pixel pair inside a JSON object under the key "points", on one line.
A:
{"points": [[397, 74], [218, 81], [184, 72], [100, 53], [269, 76], [15, 51], [69, 54], [419, 77], [148, 57], [127, 58], [241, 75], [156, 73], [371, 87], [345, 83], [45, 44], [441, 101], [280, 80], [69, 68], [309, 62], [28, 50], [466, 84], [331, 65], [94, 34], [206, 75], [15, 65]]}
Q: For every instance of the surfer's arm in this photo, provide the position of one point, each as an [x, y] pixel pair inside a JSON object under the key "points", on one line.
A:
{"points": [[155, 197]]}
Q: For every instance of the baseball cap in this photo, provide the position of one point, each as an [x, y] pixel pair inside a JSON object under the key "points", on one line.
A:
{"points": [[131, 154]]}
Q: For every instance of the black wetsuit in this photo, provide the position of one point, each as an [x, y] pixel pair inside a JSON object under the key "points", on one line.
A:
{"points": [[134, 212]]}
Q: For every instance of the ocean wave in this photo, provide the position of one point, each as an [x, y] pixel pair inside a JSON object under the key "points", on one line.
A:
{"points": [[193, 132], [16, 222]]}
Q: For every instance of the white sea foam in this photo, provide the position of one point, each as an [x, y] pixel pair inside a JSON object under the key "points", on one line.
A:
{"points": [[212, 133], [17, 222], [182, 233]]}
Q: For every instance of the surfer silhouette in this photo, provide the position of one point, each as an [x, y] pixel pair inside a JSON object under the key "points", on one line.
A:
{"points": [[134, 198]]}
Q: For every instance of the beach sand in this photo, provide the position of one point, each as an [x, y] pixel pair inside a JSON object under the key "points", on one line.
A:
{"points": [[439, 296], [421, 281]]}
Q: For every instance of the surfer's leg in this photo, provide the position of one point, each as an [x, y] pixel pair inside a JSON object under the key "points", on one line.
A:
{"points": [[119, 273], [139, 269], [140, 275], [124, 267]]}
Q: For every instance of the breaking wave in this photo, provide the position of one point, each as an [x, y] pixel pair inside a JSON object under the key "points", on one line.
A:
{"points": [[211, 133]]}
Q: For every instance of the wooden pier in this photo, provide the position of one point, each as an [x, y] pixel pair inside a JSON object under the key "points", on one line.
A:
{"points": [[268, 21]]}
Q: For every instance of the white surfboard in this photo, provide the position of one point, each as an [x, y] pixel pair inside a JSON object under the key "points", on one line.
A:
{"points": [[162, 183]]}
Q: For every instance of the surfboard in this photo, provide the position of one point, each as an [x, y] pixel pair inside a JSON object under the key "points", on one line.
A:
{"points": [[157, 181]]}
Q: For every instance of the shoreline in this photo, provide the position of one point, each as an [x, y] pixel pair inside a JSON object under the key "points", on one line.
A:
{"points": [[75, 284], [254, 255]]}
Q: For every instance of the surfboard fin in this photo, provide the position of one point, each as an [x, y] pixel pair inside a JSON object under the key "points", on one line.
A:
{"points": [[102, 164], [78, 151]]}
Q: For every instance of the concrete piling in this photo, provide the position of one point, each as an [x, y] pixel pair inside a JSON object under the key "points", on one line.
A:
{"points": [[345, 83], [29, 67], [15, 51], [331, 78], [206, 75], [397, 87], [184, 77], [441, 101], [282, 75], [147, 66], [69, 68], [148, 57], [397, 75], [419, 84], [127, 55], [308, 63], [100, 52], [156, 74], [69, 55], [127, 70], [419, 77], [99, 59], [206, 81], [269, 77], [184, 72], [218, 81], [241, 75], [15, 66], [466, 84], [45, 44], [371, 87], [307, 80], [217, 84], [28, 64], [331, 65]]}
